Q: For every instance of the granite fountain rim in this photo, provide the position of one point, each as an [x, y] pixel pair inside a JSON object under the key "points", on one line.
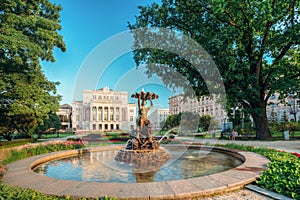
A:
{"points": [[20, 173]]}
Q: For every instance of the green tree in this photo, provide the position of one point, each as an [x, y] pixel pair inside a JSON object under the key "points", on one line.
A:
{"points": [[255, 45], [26, 100], [189, 122], [28, 35], [206, 122], [51, 121], [172, 121]]}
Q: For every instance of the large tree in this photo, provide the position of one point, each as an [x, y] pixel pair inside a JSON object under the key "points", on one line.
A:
{"points": [[48, 123], [28, 35], [255, 45]]}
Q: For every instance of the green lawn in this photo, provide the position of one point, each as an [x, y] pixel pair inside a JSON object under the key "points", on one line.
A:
{"points": [[280, 134], [14, 143], [54, 135]]}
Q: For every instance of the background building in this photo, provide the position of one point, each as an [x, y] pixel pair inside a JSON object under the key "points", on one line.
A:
{"points": [[280, 110], [157, 117], [102, 110], [206, 105], [65, 115]]}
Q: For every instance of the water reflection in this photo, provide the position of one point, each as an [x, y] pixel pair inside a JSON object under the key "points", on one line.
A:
{"points": [[101, 167]]}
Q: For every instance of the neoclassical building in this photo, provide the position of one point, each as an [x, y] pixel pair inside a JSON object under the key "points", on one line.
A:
{"points": [[65, 113], [102, 110], [157, 117], [277, 108], [205, 105]]}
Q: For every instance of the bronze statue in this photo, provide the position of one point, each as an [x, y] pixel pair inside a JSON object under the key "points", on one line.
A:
{"points": [[141, 149], [143, 110]]}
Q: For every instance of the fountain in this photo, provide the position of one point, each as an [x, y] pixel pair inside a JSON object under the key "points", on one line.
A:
{"points": [[142, 150], [140, 170]]}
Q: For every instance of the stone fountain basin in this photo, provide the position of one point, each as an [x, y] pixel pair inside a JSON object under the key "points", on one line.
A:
{"points": [[20, 174]]}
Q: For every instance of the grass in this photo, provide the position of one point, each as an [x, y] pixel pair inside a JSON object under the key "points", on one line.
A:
{"points": [[14, 143], [54, 135], [280, 134]]}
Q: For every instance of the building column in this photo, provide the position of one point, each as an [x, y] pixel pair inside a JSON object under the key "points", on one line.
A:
{"points": [[97, 113], [102, 114], [120, 114], [114, 113], [108, 113], [91, 113]]}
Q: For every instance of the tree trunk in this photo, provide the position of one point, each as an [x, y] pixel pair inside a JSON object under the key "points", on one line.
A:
{"points": [[261, 126], [8, 136]]}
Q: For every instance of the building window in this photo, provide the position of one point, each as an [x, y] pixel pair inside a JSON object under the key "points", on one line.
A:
{"points": [[124, 114], [94, 113], [100, 112], [87, 114]]}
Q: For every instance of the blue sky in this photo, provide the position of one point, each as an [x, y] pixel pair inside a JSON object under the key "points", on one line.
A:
{"points": [[86, 26]]}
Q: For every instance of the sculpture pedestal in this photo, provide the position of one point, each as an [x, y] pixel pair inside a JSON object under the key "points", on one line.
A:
{"points": [[149, 160]]}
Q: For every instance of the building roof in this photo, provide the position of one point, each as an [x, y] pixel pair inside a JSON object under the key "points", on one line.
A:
{"points": [[65, 106], [105, 89]]}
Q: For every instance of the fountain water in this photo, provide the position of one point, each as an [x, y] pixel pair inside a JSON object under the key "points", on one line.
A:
{"points": [[142, 150]]}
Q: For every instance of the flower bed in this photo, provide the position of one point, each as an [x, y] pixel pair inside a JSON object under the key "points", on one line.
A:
{"points": [[283, 172], [26, 151]]}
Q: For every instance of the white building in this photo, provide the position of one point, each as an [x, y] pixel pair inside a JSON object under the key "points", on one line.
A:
{"points": [[277, 108], [64, 113], [206, 105], [102, 110], [157, 117]]}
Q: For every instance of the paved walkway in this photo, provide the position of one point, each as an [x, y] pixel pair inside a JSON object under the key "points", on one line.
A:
{"points": [[284, 145], [244, 194]]}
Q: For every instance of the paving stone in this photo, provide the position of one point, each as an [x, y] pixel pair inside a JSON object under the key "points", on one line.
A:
{"points": [[160, 190], [185, 188], [207, 184]]}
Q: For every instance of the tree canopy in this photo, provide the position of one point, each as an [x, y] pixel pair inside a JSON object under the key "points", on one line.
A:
{"points": [[255, 45], [28, 35]]}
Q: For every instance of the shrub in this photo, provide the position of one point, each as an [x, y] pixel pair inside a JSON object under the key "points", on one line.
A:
{"points": [[27, 151], [17, 193], [283, 172], [2, 170], [9, 144], [12, 192]]}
